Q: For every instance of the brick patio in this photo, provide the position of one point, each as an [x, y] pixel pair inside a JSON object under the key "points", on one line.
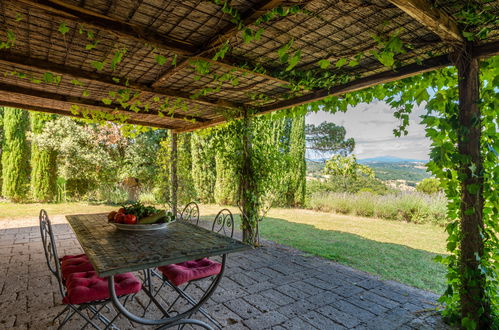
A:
{"points": [[273, 287]]}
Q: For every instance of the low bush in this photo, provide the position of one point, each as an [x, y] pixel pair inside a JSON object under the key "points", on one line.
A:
{"points": [[408, 206], [110, 194]]}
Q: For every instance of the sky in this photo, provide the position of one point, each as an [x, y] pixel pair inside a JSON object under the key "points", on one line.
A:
{"points": [[371, 125]]}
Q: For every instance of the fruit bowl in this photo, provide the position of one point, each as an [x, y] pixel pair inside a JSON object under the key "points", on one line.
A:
{"points": [[140, 227], [137, 217]]}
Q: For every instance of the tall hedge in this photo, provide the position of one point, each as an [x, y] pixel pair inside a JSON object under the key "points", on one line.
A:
{"points": [[1, 145], [15, 155], [297, 166], [186, 192], [43, 164], [203, 166], [227, 164]]}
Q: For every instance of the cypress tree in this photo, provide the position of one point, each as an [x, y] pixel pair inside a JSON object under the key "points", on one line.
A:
{"points": [[43, 164], [203, 166], [15, 155], [297, 168]]}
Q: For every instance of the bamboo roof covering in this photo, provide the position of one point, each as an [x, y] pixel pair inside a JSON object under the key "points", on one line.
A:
{"points": [[160, 41]]}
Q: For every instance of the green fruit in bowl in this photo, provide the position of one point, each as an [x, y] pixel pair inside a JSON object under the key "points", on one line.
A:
{"points": [[153, 218]]}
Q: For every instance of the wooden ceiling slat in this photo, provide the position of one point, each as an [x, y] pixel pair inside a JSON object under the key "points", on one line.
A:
{"points": [[106, 23]]}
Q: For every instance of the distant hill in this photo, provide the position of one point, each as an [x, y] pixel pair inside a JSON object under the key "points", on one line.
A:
{"points": [[386, 168], [389, 159], [410, 171]]}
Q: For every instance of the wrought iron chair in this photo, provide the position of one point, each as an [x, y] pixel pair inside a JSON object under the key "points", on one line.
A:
{"points": [[190, 213], [82, 290], [191, 271]]}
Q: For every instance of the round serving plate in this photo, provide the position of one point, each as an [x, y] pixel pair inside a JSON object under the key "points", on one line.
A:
{"points": [[140, 227]]}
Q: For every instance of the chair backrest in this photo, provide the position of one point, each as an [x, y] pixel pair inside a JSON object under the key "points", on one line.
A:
{"points": [[50, 248], [190, 213], [224, 223]]}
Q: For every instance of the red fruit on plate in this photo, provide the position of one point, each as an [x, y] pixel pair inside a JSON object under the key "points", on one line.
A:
{"points": [[130, 219], [110, 216], [122, 210], [119, 218]]}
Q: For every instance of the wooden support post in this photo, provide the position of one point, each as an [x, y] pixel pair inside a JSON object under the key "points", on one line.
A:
{"points": [[174, 182], [474, 303], [249, 203]]}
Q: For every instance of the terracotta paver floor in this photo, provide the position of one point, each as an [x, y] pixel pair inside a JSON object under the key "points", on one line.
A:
{"points": [[273, 287]]}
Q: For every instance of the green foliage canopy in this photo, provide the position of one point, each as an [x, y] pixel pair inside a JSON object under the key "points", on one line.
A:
{"points": [[329, 137], [429, 186]]}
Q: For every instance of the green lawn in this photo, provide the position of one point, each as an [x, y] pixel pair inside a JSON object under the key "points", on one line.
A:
{"points": [[392, 250], [31, 210]]}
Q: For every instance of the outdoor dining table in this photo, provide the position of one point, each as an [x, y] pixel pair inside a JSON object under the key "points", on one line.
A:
{"points": [[112, 251]]}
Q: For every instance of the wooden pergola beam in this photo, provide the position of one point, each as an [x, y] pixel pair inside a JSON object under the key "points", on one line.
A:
{"points": [[410, 70], [27, 62], [114, 26], [31, 107], [433, 18], [97, 105]]}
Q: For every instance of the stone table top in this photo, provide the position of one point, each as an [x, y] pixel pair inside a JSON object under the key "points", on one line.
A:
{"points": [[112, 251]]}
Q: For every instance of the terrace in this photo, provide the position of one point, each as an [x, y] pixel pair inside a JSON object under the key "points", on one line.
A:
{"points": [[259, 291]]}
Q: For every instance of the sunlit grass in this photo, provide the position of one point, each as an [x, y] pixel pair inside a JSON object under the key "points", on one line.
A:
{"points": [[31, 210]]}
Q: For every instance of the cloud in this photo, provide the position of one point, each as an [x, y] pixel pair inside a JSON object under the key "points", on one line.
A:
{"points": [[371, 125]]}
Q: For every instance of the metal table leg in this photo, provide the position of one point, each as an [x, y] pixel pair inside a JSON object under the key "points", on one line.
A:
{"points": [[168, 320]]}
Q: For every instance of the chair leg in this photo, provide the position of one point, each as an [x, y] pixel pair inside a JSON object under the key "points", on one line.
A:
{"points": [[111, 323], [97, 313], [69, 315], [86, 318], [58, 315], [191, 301], [150, 301]]}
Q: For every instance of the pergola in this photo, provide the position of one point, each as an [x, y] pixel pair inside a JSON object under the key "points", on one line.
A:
{"points": [[187, 65]]}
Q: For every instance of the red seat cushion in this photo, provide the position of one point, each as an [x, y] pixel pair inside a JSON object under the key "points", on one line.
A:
{"points": [[87, 287], [75, 264], [190, 270], [71, 256]]}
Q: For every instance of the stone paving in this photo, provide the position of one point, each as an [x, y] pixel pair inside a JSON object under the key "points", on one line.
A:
{"points": [[272, 287]]}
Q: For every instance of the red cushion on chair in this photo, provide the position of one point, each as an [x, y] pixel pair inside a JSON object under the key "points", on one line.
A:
{"points": [[76, 264], [87, 287], [190, 270], [70, 256]]}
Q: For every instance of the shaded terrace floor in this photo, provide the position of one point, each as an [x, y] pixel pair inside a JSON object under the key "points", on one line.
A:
{"points": [[271, 287]]}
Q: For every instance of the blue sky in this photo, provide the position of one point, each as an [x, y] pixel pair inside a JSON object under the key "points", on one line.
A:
{"points": [[371, 125]]}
